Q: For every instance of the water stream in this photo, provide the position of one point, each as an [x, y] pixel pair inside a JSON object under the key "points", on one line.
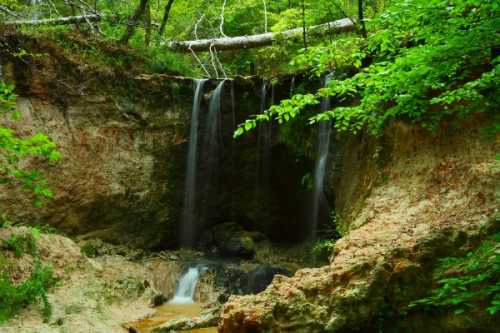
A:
{"points": [[188, 225], [211, 154], [184, 293], [323, 148], [264, 151]]}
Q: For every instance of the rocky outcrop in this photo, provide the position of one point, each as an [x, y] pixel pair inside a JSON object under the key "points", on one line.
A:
{"points": [[434, 195], [123, 142]]}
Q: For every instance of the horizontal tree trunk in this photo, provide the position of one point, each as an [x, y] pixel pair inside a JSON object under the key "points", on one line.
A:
{"points": [[260, 40], [58, 21], [226, 43]]}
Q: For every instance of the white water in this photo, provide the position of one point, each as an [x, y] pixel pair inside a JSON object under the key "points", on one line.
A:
{"points": [[264, 149], [186, 287], [188, 225], [323, 148], [211, 153]]}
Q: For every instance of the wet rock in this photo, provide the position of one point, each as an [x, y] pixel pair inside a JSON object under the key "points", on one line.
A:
{"points": [[259, 278], [158, 299], [203, 321], [232, 240]]}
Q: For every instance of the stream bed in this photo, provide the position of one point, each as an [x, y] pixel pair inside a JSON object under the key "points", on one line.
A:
{"points": [[168, 312]]}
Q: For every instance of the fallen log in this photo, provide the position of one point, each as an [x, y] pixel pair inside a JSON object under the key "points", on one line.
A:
{"points": [[57, 21], [225, 43], [260, 40]]}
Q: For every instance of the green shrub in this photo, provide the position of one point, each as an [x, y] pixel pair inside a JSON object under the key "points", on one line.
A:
{"points": [[323, 249], [20, 245], [89, 250], [467, 282], [34, 289]]}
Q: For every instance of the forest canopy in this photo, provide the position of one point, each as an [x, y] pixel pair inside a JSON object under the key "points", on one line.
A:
{"points": [[421, 60]]}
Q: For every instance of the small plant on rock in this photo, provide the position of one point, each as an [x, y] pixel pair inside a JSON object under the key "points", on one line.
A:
{"points": [[467, 282], [34, 289]]}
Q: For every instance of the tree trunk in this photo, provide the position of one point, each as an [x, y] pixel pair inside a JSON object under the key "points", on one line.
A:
{"points": [[260, 40], [164, 21], [304, 32], [132, 21], [361, 18], [147, 25], [59, 20]]}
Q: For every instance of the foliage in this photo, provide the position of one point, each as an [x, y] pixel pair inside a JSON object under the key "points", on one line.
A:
{"points": [[427, 60], [32, 290], [20, 244], [328, 235], [189, 19], [467, 282], [322, 250], [89, 250], [13, 149]]}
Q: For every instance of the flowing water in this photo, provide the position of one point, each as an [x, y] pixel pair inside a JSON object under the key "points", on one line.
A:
{"points": [[188, 226], [323, 148], [181, 306], [264, 150], [186, 287], [211, 153]]}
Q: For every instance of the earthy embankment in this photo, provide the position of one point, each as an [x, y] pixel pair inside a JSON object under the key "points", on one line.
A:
{"points": [[435, 195]]}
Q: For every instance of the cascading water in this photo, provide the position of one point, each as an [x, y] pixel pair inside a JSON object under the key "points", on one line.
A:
{"points": [[188, 225], [292, 86], [184, 293], [323, 147], [212, 151], [264, 150]]}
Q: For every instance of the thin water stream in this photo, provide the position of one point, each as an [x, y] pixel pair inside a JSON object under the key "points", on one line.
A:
{"points": [[323, 149], [188, 225]]}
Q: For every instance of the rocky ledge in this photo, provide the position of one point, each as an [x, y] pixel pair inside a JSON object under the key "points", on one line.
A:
{"points": [[434, 201]]}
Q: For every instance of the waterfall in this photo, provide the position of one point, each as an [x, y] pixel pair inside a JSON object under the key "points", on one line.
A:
{"points": [[292, 86], [212, 152], [188, 225], [323, 147], [264, 150], [184, 293]]}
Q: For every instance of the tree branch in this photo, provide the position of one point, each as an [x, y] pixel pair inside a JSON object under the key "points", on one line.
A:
{"points": [[58, 21], [164, 21], [132, 21]]}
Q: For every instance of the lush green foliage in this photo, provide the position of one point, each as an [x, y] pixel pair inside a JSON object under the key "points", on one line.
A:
{"points": [[467, 282], [33, 289], [13, 149], [427, 60], [191, 19], [15, 296]]}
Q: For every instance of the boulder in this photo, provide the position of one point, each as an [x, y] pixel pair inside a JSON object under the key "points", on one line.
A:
{"points": [[233, 241], [259, 278]]}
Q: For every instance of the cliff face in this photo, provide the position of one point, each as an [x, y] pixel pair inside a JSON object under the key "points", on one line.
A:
{"points": [[421, 197], [123, 140]]}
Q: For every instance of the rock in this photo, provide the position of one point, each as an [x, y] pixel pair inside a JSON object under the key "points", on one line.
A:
{"points": [[132, 329], [158, 299], [203, 321], [232, 240], [259, 278], [398, 230]]}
